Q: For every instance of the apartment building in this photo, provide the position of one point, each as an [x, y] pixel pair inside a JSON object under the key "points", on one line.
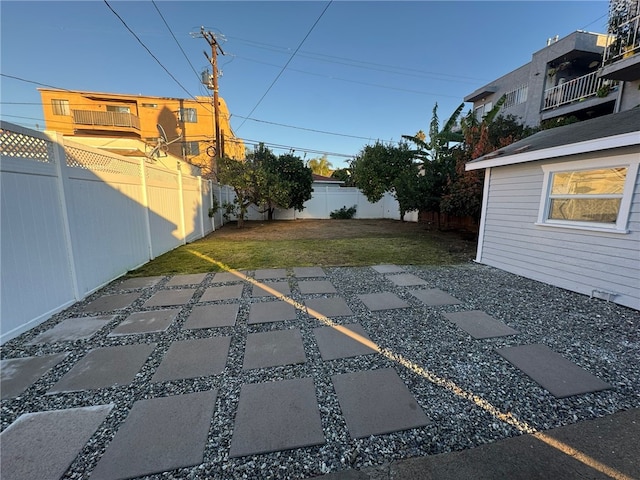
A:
{"points": [[137, 125], [565, 78]]}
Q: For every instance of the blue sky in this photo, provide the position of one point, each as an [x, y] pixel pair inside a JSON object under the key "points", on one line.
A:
{"points": [[366, 71]]}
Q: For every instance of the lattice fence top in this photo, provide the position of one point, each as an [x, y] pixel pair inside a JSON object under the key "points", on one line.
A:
{"points": [[79, 158], [19, 145]]}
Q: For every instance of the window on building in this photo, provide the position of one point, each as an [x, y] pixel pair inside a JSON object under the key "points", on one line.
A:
{"points": [[60, 107], [589, 194], [149, 105], [516, 97], [118, 109], [188, 115], [190, 148], [481, 110]]}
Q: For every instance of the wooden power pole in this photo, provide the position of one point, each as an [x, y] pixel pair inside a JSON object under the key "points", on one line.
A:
{"points": [[213, 85]]}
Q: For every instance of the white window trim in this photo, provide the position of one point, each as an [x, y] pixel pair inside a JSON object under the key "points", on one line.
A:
{"points": [[630, 161]]}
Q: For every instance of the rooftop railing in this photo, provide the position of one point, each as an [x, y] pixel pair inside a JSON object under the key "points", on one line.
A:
{"points": [[625, 43]]}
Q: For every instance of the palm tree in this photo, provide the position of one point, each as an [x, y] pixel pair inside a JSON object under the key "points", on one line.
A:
{"points": [[320, 166]]}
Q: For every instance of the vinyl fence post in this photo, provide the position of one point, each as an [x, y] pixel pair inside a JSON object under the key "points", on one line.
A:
{"points": [[145, 204], [181, 203]]}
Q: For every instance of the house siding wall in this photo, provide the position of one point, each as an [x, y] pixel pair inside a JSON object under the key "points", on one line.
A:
{"points": [[577, 260]]}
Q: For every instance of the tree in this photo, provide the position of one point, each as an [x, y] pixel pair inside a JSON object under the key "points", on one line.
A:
{"points": [[242, 176], [289, 183], [320, 166], [343, 174], [381, 168]]}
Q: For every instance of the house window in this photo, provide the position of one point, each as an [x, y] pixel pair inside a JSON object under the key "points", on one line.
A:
{"points": [[118, 109], [150, 105], [60, 107], [482, 110], [591, 194], [190, 148], [188, 115]]}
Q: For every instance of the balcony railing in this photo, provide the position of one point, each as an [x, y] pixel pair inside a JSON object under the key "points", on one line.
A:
{"points": [[625, 43], [576, 90], [105, 119]]}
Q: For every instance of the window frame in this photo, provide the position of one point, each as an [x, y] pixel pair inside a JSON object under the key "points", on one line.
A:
{"points": [[188, 148], [629, 161], [60, 105], [192, 116]]}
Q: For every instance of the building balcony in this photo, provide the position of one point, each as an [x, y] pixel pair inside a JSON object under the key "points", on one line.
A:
{"points": [[577, 90], [622, 55], [95, 118]]}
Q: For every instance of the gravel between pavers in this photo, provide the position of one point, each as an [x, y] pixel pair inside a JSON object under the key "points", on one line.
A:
{"points": [[601, 337]]}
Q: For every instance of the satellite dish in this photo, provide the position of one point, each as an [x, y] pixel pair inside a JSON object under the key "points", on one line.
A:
{"points": [[163, 143]]}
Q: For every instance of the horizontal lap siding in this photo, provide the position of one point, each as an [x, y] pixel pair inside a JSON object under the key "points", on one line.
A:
{"points": [[578, 260]]}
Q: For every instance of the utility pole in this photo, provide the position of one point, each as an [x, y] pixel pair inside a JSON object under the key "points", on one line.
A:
{"points": [[213, 85]]}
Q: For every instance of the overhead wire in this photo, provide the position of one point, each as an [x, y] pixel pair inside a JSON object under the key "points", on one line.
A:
{"points": [[288, 62]]}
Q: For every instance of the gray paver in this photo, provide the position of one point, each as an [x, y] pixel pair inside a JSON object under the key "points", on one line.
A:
{"points": [[73, 329], [271, 349], [388, 268], [168, 298], [561, 377], [275, 416], [263, 274], [333, 343], [406, 280], [212, 316], [328, 307], [302, 272], [434, 297], [382, 301], [225, 292], [282, 288], [43, 445], [316, 286], [191, 279], [145, 322], [108, 303], [139, 282], [200, 357], [104, 367], [225, 277], [18, 374], [394, 408], [265, 312], [480, 325], [159, 434]]}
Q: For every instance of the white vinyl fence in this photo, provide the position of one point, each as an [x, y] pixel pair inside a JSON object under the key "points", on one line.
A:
{"points": [[75, 218]]}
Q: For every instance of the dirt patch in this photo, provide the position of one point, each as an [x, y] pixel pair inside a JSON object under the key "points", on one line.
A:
{"points": [[460, 244]]}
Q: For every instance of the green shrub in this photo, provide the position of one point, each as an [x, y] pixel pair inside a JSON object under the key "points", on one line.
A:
{"points": [[344, 212]]}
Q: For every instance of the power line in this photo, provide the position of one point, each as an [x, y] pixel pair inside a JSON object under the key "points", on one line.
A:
{"points": [[288, 62]]}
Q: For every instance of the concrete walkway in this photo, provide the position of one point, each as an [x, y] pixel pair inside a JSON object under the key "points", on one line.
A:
{"points": [[171, 431]]}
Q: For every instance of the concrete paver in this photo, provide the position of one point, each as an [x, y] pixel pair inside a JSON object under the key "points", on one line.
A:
{"points": [[271, 349], [159, 434], [308, 287], [266, 273], [226, 292], [145, 322], [278, 415], [109, 303], [434, 297], [480, 325], [265, 312], [394, 408], [192, 358], [561, 377], [104, 367], [307, 272], [334, 344], [138, 282], [329, 307], [212, 316], [280, 287], [42, 445], [382, 301], [388, 268], [169, 298], [72, 329], [190, 279], [226, 277], [18, 374]]}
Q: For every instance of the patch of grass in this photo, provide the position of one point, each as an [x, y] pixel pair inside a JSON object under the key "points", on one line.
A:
{"points": [[402, 248]]}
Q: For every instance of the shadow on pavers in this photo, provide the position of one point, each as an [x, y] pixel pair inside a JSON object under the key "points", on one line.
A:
{"points": [[613, 441]]}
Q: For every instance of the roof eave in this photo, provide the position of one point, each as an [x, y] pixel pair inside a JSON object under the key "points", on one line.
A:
{"points": [[596, 144]]}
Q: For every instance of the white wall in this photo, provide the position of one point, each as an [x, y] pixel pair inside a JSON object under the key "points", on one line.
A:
{"points": [[74, 218]]}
